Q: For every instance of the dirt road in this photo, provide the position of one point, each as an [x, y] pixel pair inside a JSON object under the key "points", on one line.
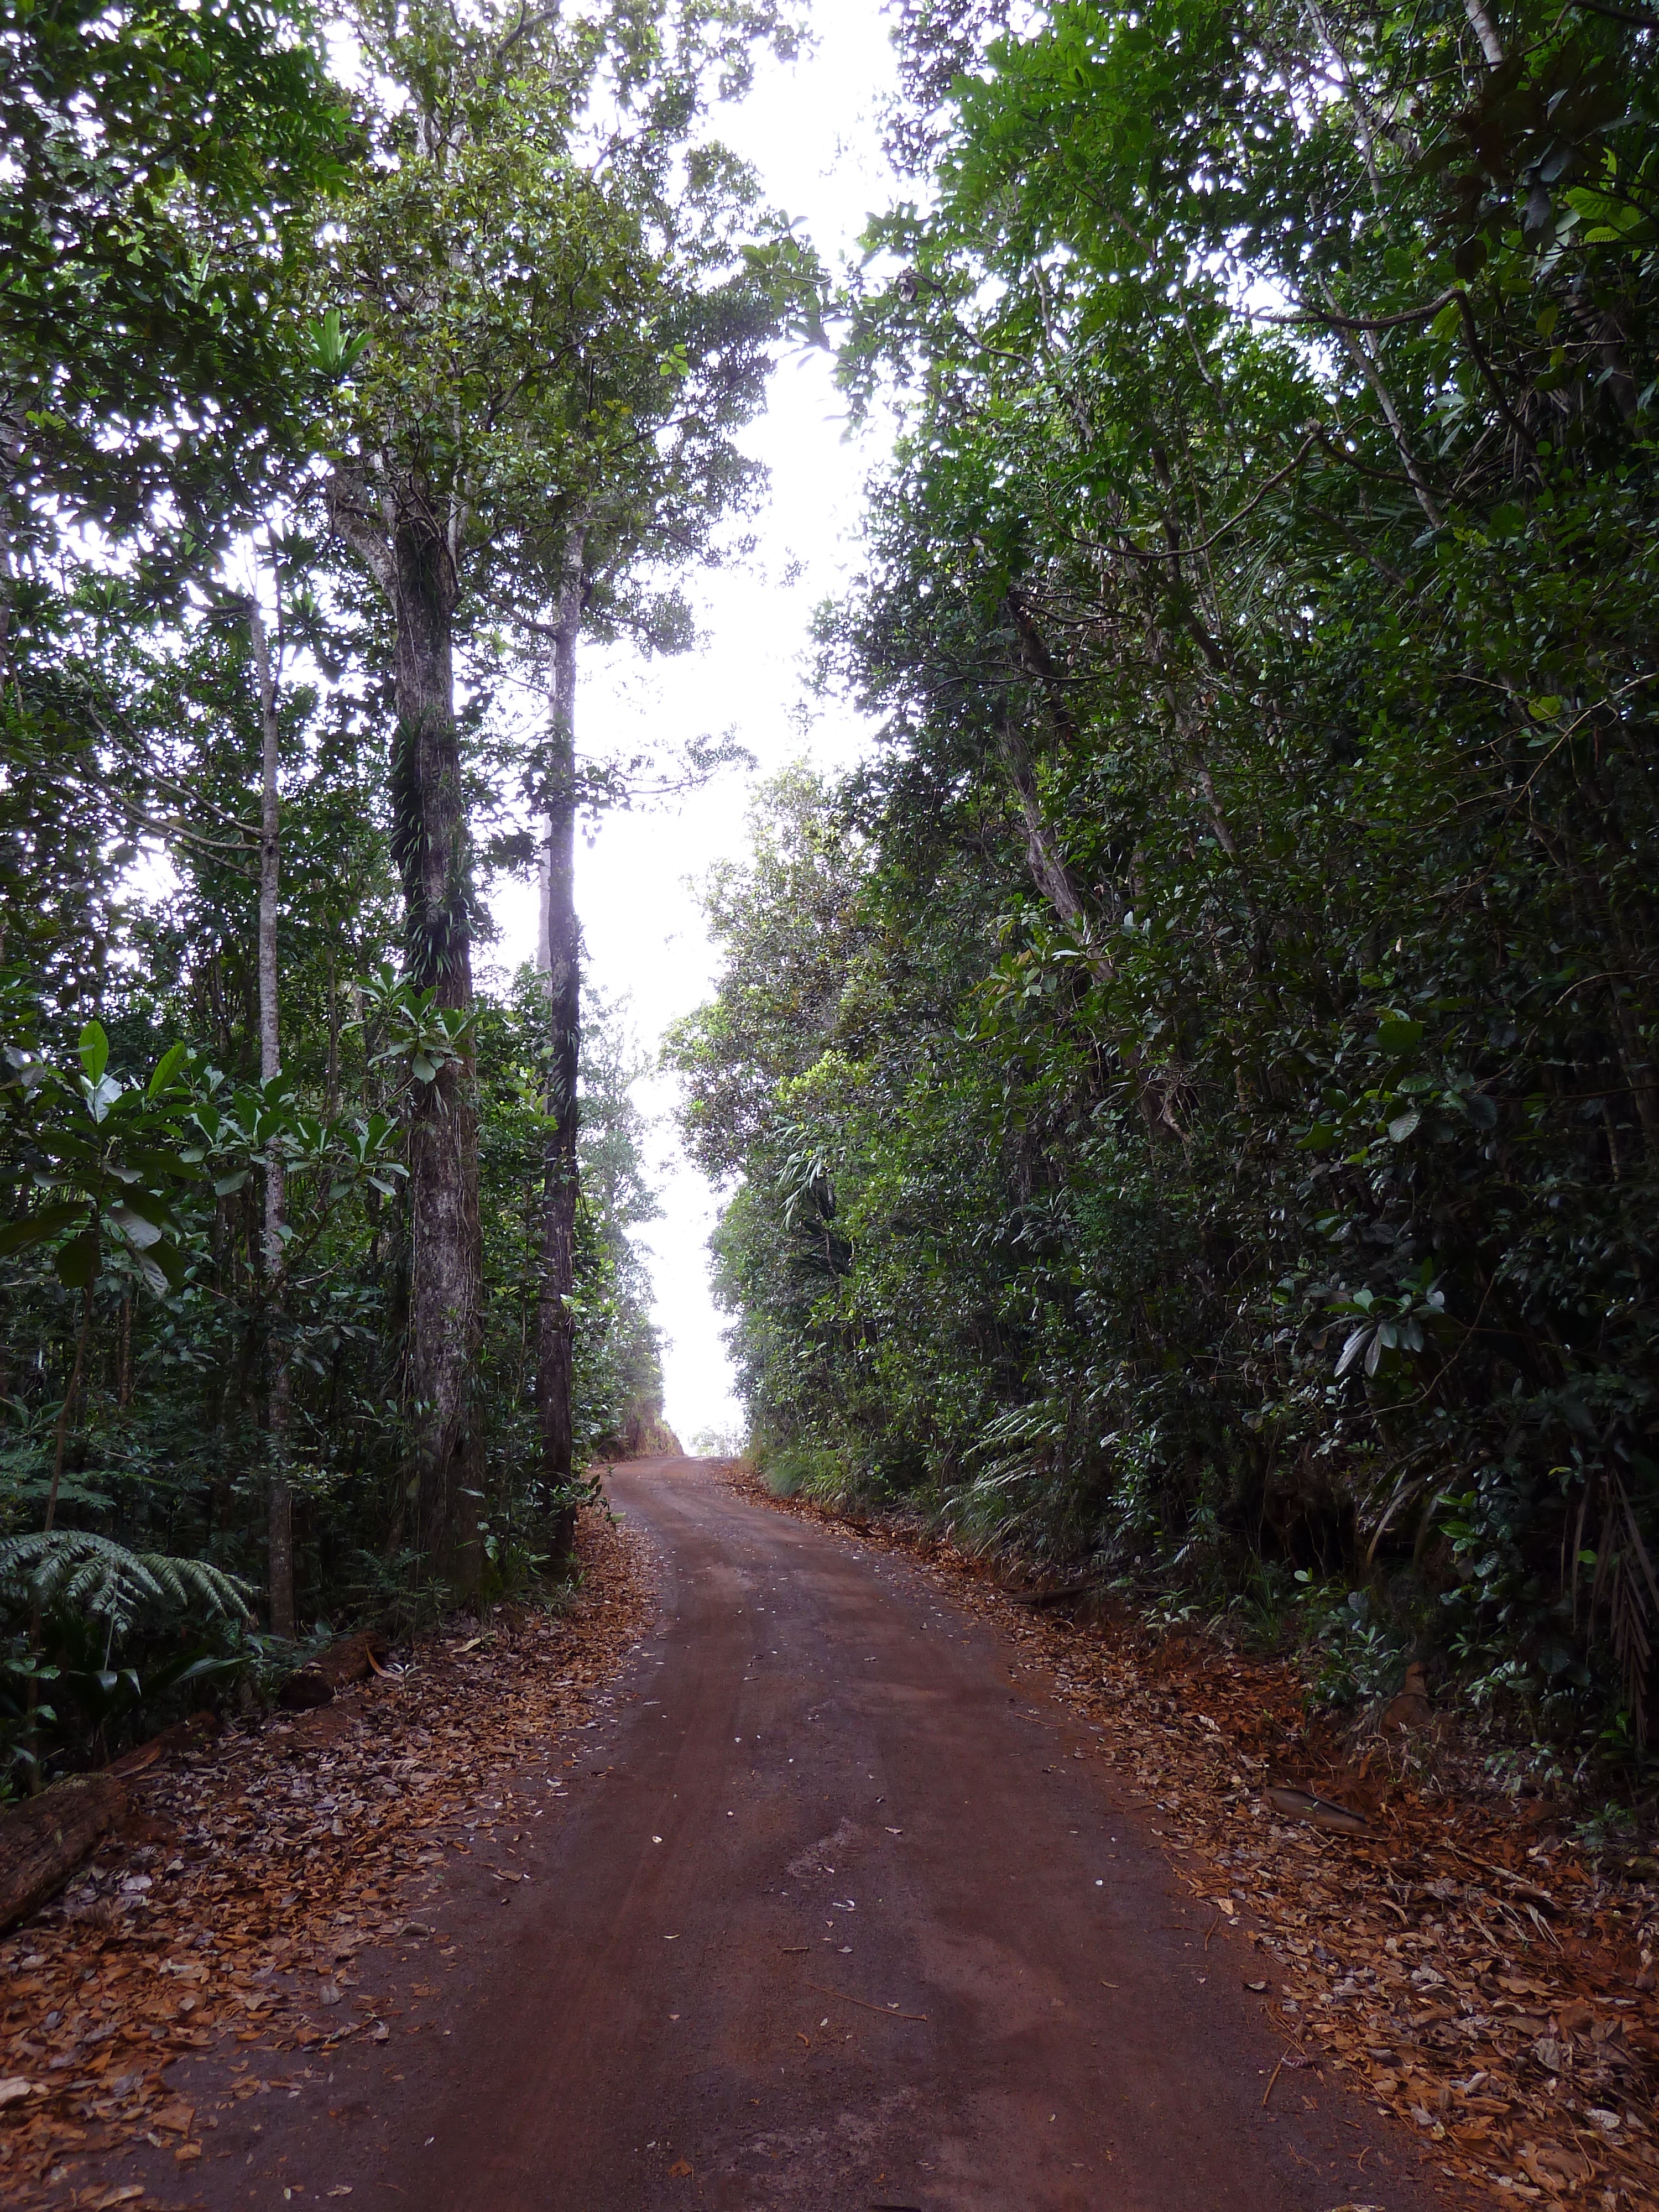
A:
{"points": [[837, 1915]]}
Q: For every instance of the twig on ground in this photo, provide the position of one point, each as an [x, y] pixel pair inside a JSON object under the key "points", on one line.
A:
{"points": [[842, 1997]]}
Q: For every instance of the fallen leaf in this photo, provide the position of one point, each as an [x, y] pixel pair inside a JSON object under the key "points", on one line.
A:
{"points": [[680, 2169]]}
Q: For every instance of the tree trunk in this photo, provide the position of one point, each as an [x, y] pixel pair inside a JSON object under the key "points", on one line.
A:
{"points": [[1359, 351], [408, 538], [279, 1544], [60, 1444], [430, 846], [559, 958], [1042, 854], [42, 1843], [1486, 31], [332, 1098]]}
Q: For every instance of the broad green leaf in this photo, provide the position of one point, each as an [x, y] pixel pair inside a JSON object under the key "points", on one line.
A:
{"points": [[166, 1067], [1399, 1037], [138, 1233], [49, 1221], [79, 1260], [94, 1051]]}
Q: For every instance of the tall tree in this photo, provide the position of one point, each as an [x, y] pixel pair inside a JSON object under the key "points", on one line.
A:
{"points": [[559, 958], [673, 362], [559, 328], [163, 162], [280, 1536], [1258, 619]]}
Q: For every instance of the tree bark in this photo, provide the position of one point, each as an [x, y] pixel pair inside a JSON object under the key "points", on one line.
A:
{"points": [[430, 846], [559, 957], [279, 1542], [42, 1843], [1042, 854], [408, 536], [1486, 31]]}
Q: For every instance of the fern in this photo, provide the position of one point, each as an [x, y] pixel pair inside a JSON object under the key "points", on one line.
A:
{"points": [[74, 1567]]}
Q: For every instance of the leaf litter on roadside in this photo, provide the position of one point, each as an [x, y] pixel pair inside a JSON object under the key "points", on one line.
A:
{"points": [[252, 1872], [1456, 1960]]}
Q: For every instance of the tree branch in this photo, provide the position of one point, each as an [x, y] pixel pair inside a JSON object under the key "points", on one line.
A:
{"points": [[349, 515]]}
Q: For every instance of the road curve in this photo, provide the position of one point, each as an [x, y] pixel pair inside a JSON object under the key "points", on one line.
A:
{"points": [[840, 1914]]}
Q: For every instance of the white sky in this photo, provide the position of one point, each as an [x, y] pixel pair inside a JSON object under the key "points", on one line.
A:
{"points": [[812, 132]]}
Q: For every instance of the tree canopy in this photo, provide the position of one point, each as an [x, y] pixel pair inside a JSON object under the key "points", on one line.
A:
{"points": [[1218, 1140], [322, 368]]}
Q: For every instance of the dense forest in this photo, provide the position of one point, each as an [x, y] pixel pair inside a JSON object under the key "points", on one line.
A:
{"points": [[353, 368], [1189, 1102]]}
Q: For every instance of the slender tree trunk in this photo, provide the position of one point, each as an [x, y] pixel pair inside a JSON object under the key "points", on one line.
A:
{"points": [[1486, 31], [1051, 877], [332, 1078], [59, 1448], [559, 957], [1042, 855], [280, 1497], [431, 848], [13, 425], [123, 1358], [1358, 351]]}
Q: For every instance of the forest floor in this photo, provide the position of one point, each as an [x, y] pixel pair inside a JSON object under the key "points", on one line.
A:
{"points": [[1461, 1960], [804, 1866], [228, 1911]]}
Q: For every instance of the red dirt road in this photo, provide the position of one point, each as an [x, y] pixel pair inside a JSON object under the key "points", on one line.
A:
{"points": [[820, 1777]]}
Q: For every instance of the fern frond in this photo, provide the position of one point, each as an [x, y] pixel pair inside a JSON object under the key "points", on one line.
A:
{"points": [[76, 1567]]}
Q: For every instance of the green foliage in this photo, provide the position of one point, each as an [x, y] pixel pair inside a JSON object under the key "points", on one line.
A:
{"points": [[507, 296], [85, 1574], [1220, 1133]]}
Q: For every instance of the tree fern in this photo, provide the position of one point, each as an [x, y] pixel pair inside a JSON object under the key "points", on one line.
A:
{"points": [[75, 1567]]}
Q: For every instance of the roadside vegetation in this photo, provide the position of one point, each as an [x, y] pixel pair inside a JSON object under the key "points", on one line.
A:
{"points": [[1189, 1104], [353, 368]]}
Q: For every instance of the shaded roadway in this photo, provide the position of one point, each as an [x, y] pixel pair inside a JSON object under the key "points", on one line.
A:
{"points": [[838, 1913]]}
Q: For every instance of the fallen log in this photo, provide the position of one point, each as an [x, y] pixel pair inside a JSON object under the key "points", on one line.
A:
{"points": [[191, 1734], [43, 1841], [1038, 1598], [342, 1664]]}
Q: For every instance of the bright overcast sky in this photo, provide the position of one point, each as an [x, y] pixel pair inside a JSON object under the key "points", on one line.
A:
{"points": [[811, 131]]}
